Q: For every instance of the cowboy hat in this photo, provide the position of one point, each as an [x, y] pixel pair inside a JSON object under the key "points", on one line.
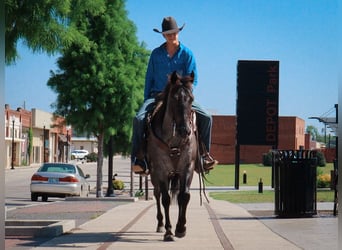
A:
{"points": [[169, 26]]}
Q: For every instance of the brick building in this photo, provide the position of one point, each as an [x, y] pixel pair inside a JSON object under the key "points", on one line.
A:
{"points": [[17, 124], [48, 137], [291, 136]]}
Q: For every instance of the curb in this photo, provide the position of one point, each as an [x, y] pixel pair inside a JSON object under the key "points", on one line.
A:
{"points": [[38, 228], [114, 198]]}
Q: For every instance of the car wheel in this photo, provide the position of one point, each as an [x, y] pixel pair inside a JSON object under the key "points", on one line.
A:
{"points": [[34, 197], [44, 197]]}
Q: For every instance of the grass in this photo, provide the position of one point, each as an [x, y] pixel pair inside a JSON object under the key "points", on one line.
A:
{"points": [[266, 196], [224, 175]]}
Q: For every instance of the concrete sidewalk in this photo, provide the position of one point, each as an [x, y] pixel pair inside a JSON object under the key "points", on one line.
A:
{"points": [[214, 225]]}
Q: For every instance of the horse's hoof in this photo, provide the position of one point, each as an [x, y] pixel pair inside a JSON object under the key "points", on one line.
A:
{"points": [[180, 233], [160, 229], [168, 237]]}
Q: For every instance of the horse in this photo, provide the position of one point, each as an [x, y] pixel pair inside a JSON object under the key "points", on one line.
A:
{"points": [[172, 151]]}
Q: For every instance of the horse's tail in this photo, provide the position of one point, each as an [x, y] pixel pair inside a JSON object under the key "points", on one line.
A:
{"points": [[174, 188]]}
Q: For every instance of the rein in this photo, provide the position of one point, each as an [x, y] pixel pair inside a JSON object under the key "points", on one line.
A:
{"points": [[173, 151], [173, 145]]}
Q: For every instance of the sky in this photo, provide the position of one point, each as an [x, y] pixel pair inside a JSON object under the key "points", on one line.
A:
{"points": [[301, 35]]}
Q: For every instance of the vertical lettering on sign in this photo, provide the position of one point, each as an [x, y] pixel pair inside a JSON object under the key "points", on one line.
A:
{"points": [[272, 89]]}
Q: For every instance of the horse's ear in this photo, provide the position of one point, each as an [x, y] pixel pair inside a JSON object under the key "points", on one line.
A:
{"points": [[174, 77]]}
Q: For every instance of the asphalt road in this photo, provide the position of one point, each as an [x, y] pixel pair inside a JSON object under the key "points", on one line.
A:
{"points": [[17, 181], [20, 207]]}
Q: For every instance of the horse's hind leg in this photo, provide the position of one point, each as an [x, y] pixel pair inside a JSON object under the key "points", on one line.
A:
{"points": [[160, 226], [183, 200]]}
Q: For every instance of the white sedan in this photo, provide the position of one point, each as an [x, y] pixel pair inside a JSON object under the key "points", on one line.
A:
{"points": [[59, 180], [79, 154]]}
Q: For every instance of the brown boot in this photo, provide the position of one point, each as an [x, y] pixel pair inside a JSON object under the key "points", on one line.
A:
{"points": [[140, 167], [208, 162]]}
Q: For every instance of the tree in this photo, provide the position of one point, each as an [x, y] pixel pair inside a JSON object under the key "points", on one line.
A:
{"points": [[41, 25], [99, 87], [315, 135], [312, 131]]}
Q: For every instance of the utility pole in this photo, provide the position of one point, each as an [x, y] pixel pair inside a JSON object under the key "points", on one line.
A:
{"points": [[110, 189], [13, 145]]}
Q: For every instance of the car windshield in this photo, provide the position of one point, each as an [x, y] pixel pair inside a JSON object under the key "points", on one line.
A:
{"points": [[60, 168]]}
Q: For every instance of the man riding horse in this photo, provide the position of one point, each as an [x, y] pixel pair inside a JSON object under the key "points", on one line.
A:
{"points": [[169, 57]]}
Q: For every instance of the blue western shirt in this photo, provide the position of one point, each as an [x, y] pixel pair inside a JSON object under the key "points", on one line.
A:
{"points": [[160, 66]]}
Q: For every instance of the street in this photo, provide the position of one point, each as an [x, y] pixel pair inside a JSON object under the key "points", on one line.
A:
{"points": [[20, 207], [17, 181], [17, 187]]}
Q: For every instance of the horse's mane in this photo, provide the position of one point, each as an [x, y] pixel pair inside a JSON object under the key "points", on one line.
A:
{"points": [[161, 100], [174, 78]]}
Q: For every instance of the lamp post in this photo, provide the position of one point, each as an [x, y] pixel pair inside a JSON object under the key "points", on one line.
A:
{"points": [[44, 143], [110, 189], [331, 122], [69, 134], [67, 146], [13, 157]]}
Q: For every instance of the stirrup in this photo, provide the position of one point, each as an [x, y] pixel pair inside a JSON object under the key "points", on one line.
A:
{"points": [[209, 163], [140, 167]]}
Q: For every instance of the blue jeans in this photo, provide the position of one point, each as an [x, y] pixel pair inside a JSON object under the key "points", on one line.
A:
{"points": [[204, 122]]}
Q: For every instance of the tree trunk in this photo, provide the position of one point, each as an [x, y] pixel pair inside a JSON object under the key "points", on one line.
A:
{"points": [[99, 192]]}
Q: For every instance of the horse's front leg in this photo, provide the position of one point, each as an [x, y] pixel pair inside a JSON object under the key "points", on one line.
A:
{"points": [[166, 200], [160, 225], [183, 201]]}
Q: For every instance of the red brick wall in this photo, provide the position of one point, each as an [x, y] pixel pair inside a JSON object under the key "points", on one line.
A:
{"points": [[223, 138], [291, 136], [329, 154], [26, 117], [291, 133], [307, 141]]}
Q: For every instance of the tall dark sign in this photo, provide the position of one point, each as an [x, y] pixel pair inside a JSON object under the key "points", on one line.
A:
{"points": [[257, 102]]}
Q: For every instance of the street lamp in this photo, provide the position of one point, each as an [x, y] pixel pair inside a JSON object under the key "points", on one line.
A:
{"points": [[13, 157], [67, 146], [44, 144], [110, 189], [331, 122]]}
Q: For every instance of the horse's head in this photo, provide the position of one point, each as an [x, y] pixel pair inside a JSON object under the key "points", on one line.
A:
{"points": [[180, 100]]}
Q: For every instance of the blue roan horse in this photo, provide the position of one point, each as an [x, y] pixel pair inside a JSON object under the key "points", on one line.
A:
{"points": [[172, 151]]}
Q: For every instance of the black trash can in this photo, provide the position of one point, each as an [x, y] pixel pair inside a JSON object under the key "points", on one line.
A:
{"points": [[295, 183]]}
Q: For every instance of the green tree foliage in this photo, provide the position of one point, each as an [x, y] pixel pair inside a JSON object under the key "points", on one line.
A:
{"points": [[315, 135], [267, 159], [99, 87], [321, 162], [312, 131], [43, 26], [38, 24]]}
